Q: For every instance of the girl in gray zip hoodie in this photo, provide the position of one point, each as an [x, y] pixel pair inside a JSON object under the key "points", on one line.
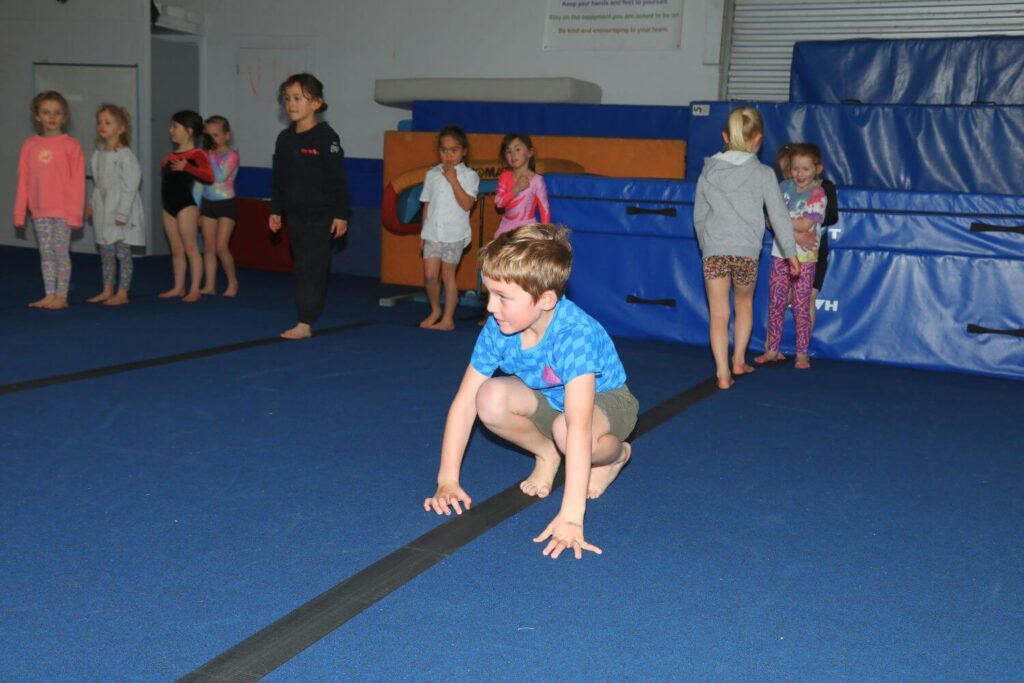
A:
{"points": [[728, 214]]}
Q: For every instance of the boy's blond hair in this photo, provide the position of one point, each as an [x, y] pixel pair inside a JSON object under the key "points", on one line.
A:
{"points": [[537, 257]]}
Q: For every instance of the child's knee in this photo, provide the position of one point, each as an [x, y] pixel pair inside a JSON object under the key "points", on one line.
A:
{"points": [[492, 402]]}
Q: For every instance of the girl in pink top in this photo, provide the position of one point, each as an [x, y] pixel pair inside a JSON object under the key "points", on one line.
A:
{"points": [[51, 186], [521, 192]]}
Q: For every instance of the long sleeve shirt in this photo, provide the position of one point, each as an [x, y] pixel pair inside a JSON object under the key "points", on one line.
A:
{"points": [[309, 173], [51, 180], [522, 208]]}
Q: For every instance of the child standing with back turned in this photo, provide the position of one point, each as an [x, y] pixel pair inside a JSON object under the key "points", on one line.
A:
{"points": [[564, 389], [115, 206], [449, 193], [51, 186], [728, 215], [310, 186]]}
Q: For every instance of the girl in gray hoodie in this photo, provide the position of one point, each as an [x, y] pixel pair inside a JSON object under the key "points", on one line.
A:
{"points": [[728, 214]]}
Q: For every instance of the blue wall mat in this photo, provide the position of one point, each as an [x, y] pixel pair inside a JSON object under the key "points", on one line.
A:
{"points": [[358, 253], [365, 181], [583, 120], [910, 276], [918, 148], [921, 71]]}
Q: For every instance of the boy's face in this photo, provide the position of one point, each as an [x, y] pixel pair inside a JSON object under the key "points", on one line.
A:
{"points": [[512, 306]]}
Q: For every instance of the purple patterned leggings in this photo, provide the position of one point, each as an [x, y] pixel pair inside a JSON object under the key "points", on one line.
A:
{"points": [[778, 291], [110, 254], [54, 238]]}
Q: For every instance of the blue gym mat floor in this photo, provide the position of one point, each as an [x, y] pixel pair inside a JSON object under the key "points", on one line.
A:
{"points": [[174, 480]]}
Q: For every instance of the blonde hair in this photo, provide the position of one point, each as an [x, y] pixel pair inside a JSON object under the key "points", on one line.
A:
{"points": [[50, 96], [123, 118], [537, 257], [743, 126]]}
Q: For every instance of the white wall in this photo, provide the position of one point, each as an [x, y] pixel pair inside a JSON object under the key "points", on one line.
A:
{"points": [[108, 32], [357, 42]]}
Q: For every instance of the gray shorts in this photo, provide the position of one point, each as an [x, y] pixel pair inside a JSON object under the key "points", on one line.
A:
{"points": [[449, 252], [618, 405]]}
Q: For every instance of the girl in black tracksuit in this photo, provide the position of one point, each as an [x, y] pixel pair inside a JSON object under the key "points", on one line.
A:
{"points": [[309, 186]]}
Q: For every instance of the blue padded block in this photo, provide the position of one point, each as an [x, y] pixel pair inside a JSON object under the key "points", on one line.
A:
{"points": [[581, 120], [915, 148], [909, 272], [909, 71]]}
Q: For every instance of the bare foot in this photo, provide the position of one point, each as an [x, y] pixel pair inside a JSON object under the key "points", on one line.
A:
{"points": [[208, 290], [192, 297], [742, 369], [232, 290], [56, 304], [429, 321], [171, 293], [119, 299], [102, 296], [602, 476], [444, 325], [300, 331], [44, 302], [769, 357], [726, 382], [803, 361], [541, 479]]}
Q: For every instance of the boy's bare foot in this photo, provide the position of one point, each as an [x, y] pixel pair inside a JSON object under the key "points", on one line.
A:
{"points": [[192, 297], [769, 357], [726, 382], [44, 302], [171, 293], [444, 325], [602, 476], [300, 331], [742, 368], [208, 290], [803, 361], [56, 304], [102, 296], [232, 290], [119, 299], [431, 319], [543, 476]]}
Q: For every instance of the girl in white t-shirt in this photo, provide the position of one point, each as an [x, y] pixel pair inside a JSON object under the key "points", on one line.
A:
{"points": [[449, 194]]}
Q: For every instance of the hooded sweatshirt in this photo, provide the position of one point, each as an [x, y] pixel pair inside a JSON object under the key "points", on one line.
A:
{"points": [[728, 210]]}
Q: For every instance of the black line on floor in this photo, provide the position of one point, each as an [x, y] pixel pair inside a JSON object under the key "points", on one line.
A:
{"points": [[165, 360], [266, 650]]}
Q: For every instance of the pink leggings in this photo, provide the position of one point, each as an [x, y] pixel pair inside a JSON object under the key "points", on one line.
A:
{"points": [[778, 291]]}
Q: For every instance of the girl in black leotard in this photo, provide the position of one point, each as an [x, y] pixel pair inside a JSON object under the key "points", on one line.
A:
{"points": [[179, 172]]}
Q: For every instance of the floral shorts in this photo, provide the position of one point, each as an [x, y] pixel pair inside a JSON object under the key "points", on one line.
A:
{"points": [[449, 252], [742, 269]]}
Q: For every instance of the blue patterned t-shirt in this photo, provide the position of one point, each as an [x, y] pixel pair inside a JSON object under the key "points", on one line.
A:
{"points": [[574, 344]]}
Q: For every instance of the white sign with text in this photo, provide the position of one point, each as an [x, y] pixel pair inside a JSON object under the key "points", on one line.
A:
{"points": [[613, 24]]}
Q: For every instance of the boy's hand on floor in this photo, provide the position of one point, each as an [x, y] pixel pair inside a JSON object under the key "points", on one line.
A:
{"points": [[564, 535], [449, 496]]}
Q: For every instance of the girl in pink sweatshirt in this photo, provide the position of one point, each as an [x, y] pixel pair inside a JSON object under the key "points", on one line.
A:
{"points": [[51, 186]]}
